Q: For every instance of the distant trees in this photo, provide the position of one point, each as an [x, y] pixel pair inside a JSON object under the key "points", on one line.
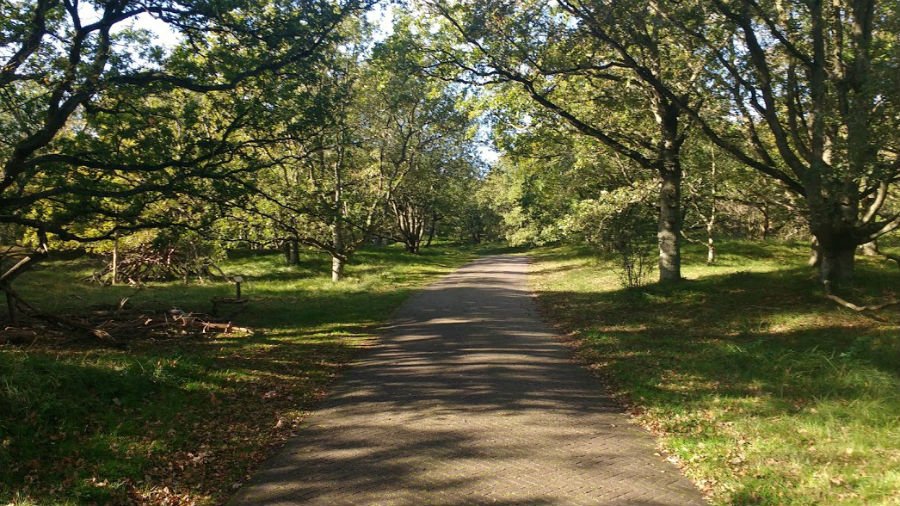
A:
{"points": [[608, 69], [386, 149]]}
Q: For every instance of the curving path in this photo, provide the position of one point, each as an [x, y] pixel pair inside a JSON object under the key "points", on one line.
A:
{"points": [[469, 399]]}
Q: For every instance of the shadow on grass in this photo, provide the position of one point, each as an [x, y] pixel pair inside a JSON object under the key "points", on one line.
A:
{"points": [[749, 310], [760, 357], [148, 415]]}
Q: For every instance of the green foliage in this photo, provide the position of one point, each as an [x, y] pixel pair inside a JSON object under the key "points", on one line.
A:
{"points": [[102, 130], [622, 224]]}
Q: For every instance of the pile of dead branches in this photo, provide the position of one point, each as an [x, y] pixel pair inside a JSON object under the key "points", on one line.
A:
{"points": [[121, 326], [151, 263], [131, 324]]}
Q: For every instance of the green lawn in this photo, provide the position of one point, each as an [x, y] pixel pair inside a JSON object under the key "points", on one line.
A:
{"points": [[186, 419], [765, 392]]}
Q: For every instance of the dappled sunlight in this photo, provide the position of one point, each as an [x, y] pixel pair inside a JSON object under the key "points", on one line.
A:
{"points": [[188, 413], [728, 365], [469, 391]]}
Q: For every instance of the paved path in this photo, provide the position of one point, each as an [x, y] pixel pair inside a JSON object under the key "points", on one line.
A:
{"points": [[469, 399]]}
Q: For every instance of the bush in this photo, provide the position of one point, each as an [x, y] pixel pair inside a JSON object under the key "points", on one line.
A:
{"points": [[620, 223]]}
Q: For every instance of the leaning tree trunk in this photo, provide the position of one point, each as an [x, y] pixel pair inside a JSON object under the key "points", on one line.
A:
{"points": [[27, 261]]}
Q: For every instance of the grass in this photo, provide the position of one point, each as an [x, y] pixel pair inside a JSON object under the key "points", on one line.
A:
{"points": [[762, 390], [186, 421]]}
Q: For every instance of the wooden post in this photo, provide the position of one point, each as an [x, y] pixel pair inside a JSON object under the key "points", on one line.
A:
{"points": [[115, 260], [237, 286]]}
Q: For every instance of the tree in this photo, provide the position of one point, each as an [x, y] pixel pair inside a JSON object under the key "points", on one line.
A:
{"points": [[612, 70], [323, 189], [99, 127], [427, 134], [813, 86], [331, 187]]}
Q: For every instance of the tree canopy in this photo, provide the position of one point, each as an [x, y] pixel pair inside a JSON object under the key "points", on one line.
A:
{"points": [[282, 124]]}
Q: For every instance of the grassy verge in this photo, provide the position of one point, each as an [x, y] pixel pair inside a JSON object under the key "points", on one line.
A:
{"points": [[762, 390], [185, 421]]}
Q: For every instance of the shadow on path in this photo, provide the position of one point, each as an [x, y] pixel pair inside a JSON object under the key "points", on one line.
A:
{"points": [[469, 399]]}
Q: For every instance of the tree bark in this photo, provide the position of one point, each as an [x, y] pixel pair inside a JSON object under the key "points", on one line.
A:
{"points": [[837, 265], [337, 258], [670, 174], [713, 210], [710, 243], [115, 260], [294, 252], [815, 257], [432, 229], [337, 268], [669, 230]]}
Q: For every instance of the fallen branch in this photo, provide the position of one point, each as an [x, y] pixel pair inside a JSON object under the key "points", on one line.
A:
{"points": [[90, 330], [859, 309]]}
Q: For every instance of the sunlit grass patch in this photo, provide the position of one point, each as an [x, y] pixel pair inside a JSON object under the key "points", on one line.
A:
{"points": [[764, 391], [186, 419]]}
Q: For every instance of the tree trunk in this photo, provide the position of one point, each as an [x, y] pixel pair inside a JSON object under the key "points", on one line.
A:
{"points": [[713, 210], [337, 268], [669, 229], [115, 260], [837, 265], [815, 255], [833, 221], [294, 255], [337, 258], [669, 169], [432, 229], [766, 224]]}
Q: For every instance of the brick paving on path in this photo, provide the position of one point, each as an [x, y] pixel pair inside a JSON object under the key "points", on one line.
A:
{"points": [[469, 399]]}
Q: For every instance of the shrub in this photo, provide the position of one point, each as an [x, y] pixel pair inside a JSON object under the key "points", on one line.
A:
{"points": [[622, 224]]}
